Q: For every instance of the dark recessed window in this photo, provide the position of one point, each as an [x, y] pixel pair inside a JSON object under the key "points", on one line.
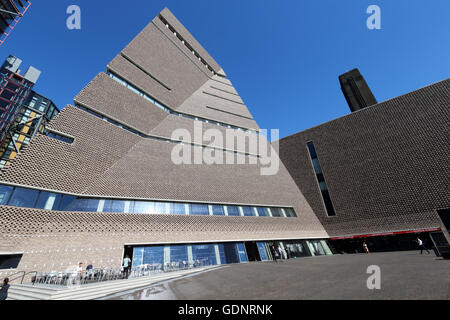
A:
{"points": [[9, 261], [322, 185]]}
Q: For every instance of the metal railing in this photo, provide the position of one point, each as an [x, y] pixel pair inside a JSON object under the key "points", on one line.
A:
{"points": [[21, 275], [69, 278]]}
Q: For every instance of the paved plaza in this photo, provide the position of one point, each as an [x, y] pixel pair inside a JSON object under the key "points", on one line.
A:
{"points": [[404, 275]]}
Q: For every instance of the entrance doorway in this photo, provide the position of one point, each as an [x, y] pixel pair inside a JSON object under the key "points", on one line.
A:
{"points": [[128, 252], [252, 251]]}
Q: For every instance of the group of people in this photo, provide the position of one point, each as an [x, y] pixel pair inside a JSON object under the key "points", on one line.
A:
{"points": [[418, 240], [279, 253]]}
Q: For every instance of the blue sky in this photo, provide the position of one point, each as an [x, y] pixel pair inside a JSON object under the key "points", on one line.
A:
{"points": [[283, 56]]}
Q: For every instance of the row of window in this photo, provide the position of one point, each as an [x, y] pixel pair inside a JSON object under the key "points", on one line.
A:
{"points": [[153, 137], [168, 110], [190, 48], [59, 137], [205, 254], [321, 180], [29, 198]]}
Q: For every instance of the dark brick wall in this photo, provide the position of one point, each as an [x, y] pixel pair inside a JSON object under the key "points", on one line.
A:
{"points": [[387, 166]]}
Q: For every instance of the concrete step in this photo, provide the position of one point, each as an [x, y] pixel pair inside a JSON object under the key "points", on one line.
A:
{"points": [[92, 291]]}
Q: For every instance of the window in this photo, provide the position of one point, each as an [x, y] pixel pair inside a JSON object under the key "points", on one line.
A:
{"points": [[178, 208], [263, 212], [233, 211], [60, 137], [323, 187], [276, 212], [248, 212], [48, 201], [218, 210], [23, 198], [5, 193], [290, 213], [9, 261], [199, 209]]}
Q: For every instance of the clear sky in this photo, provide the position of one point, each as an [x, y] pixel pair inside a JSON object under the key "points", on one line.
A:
{"points": [[283, 56]]}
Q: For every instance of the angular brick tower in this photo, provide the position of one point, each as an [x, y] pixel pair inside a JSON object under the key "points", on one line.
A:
{"points": [[102, 182]]}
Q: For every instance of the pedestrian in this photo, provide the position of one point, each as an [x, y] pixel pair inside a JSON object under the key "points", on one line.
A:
{"points": [[274, 253], [90, 270], [4, 289], [366, 248], [126, 266], [422, 246], [281, 253]]}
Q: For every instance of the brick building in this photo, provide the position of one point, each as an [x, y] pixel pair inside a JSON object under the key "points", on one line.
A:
{"points": [[102, 184]]}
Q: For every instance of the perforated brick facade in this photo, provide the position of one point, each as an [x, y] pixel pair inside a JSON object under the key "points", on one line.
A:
{"points": [[109, 161], [387, 167]]}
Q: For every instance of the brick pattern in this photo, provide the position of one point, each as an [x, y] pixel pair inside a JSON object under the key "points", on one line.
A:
{"points": [[52, 164], [107, 161], [386, 166], [108, 97]]}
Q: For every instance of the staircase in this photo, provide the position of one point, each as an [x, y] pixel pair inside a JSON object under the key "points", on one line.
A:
{"points": [[94, 290]]}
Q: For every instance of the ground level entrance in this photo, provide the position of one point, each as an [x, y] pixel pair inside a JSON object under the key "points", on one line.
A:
{"points": [[176, 256]]}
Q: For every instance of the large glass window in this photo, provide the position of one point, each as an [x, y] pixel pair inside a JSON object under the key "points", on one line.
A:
{"points": [[48, 201], [204, 255], [262, 248], [24, 198], [178, 208], [263, 212], [248, 212], [138, 257], [154, 255], [5, 193], [276, 212], [218, 210], [290, 213], [179, 254], [242, 252], [199, 209], [144, 207], [66, 202], [233, 211]]}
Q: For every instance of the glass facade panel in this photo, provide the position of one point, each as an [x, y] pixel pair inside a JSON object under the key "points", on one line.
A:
{"points": [[262, 212], [276, 212], [179, 254], [144, 207], [290, 213], [23, 198], [48, 201], [66, 202], [242, 252], [262, 247], [5, 193], [199, 209], [161, 208], [218, 210], [248, 212], [154, 255], [233, 211], [178, 208], [204, 255], [138, 257]]}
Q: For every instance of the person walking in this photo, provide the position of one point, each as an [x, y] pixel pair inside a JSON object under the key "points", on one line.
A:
{"points": [[274, 253], [366, 248], [4, 289], [126, 266], [422, 246]]}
